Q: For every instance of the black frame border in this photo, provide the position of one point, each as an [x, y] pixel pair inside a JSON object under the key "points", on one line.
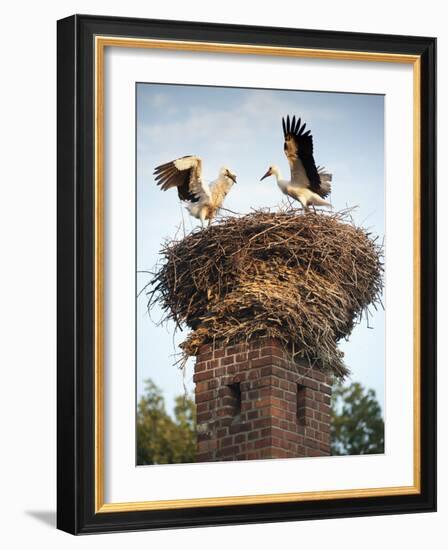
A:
{"points": [[76, 262]]}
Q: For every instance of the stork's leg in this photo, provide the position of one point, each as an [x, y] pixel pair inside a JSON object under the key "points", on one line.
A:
{"points": [[304, 206], [202, 218]]}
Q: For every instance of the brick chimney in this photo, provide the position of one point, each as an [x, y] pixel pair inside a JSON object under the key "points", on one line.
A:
{"points": [[254, 402]]}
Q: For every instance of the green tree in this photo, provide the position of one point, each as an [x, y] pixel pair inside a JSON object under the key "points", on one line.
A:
{"points": [[357, 425], [162, 439]]}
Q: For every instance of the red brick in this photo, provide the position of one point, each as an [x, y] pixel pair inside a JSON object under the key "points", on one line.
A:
{"points": [[273, 342], [262, 362], [275, 392], [289, 396], [253, 435], [324, 428], [311, 443], [324, 408], [275, 402], [253, 374], [272, 351], [259, 403], [202, 386], [320, 377], [213, 364], [228, 400], [308, 383], [200, 376], [227, 441], [205, 396], [202, 407], [243, 427], [278, 412], [206, 348], [200, 366], [220, 372], [228, 451], [319, 397], [251, 456], [204, 457], [233, 350], [262, 423], [265, 442], [205, 356], [259, 382]]}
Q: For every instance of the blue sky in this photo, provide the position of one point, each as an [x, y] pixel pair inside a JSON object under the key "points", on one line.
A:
{"points": [[241, 128]]}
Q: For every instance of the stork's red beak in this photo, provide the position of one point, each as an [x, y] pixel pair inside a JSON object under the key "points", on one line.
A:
{"points": [[268, 173]]}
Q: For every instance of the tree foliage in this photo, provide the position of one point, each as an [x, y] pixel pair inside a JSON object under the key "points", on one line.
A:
{"points": [[162, 439], [357, 425]]}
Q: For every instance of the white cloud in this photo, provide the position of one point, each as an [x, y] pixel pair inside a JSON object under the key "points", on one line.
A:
{"points": [[258, 113]]}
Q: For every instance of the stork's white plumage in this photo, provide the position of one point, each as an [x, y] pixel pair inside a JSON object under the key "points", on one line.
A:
{"points": [[309, 185], [202, 200]]}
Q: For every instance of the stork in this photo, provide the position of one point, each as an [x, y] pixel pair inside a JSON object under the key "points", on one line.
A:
{"points": [[202, 200], [309, 184]]}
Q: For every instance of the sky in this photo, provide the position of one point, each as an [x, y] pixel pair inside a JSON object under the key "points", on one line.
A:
{"points": [[241, 128]]}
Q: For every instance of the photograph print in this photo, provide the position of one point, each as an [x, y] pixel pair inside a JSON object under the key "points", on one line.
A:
{"points": [[260, 309]]}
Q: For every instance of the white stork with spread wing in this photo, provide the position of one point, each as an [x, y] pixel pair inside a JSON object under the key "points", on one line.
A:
{"points": [[309, 184], [202, 200]]}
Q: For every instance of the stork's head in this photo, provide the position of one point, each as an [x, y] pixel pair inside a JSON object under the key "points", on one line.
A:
{"points": [[272, 171], [227, 173]]}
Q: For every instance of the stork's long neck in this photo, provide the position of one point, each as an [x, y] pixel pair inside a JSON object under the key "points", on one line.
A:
{"points": [[219, 191], [278, 175], [280, 181]]}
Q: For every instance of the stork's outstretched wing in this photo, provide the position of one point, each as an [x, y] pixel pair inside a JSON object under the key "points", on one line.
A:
{"points": [[299, 146], [185, 173]]}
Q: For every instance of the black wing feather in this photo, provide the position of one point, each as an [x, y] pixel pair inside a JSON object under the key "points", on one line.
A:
{"points": [[299, 143], [168, 176]]}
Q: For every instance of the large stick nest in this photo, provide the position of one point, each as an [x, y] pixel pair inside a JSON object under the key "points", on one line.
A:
{"points": [[305, 279]]}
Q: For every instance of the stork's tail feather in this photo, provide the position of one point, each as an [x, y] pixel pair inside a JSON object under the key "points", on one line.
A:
{"points": [[325, 180], [193, 208], [319, 201]]}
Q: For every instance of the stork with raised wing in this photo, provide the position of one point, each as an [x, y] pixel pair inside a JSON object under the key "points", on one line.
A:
{"points": [[202, 200], [309, 184]]}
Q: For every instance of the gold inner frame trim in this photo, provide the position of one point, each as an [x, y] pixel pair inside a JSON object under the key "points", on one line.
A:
{"points": [[101, 42]]}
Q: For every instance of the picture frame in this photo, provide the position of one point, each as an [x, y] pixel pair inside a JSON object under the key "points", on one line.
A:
{"points": [[82, 42]]}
